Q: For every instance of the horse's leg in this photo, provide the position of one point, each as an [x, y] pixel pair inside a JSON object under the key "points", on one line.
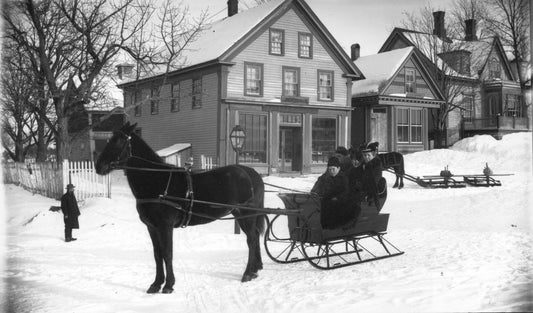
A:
{"points": [[166, 244], [259, 260], [397, 178], [248, 226], [158, 256]]}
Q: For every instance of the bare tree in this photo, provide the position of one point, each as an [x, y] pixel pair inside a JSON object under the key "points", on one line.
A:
{"points": [[68, 43], [510, 20], [449, 72], [464, 10]]}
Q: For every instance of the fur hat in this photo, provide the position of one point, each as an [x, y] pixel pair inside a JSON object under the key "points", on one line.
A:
{"points": [[334, 161], [372, 146]]}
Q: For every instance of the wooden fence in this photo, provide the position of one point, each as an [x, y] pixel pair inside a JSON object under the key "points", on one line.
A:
{"points": [[88, 184], [50, 180], [207, 163]]}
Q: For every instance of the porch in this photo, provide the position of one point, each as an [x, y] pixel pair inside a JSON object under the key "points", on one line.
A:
{"points": [[496, 126]]}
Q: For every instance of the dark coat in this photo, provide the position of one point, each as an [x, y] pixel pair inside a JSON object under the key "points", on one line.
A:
{"points": [[371, 175], [337, 207], [70, 209]]}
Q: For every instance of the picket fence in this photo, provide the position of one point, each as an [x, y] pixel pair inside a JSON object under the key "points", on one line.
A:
{"points": [[50, 180], [207, 163]]}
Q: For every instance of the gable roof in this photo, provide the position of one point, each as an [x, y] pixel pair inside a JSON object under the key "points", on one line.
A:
{"points": [[379, 69], [219, 40], [383, 67], [480, 50]]}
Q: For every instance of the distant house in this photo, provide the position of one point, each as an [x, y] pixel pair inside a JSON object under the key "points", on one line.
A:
{"points": [[275, 70], [392, 103], [89, 131], [490, 101]]}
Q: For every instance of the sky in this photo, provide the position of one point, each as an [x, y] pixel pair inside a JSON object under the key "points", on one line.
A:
{"points": [[366, 22]]}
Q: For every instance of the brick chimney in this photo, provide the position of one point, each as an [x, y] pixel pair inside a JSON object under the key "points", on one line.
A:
{"points": [[233, 7], [470, 34], [356, 51], [439, 30]]}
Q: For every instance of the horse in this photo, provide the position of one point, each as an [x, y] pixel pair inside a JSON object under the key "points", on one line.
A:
{"points": [[392, 160], [169, 197]]}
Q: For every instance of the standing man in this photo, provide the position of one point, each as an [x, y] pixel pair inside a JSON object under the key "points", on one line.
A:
{"points": [[69, 206]]}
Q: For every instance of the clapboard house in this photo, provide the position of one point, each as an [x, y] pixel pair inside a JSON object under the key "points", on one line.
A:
{"points": [[391, 106], [490, 100], [275, 70]]}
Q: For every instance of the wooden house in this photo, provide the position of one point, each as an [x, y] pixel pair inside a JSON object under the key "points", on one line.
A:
{"points": [[275, 70], [392, 103], [481, 85]]}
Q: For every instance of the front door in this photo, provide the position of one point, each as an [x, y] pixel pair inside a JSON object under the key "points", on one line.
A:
{"points": [[290, 149]]}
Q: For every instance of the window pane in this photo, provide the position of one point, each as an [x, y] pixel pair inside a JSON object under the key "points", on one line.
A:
{"points": [[253, 80], [403, 125], [276, 42], [290, 86], [325, 83], [196, 93], [305, 45], [323, 139], [416, 125], [175, 97], [255, 145]]}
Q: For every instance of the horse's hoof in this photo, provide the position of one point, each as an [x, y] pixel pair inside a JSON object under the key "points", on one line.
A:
{"points": [[167, 290], [248, 277], [153, 289]]}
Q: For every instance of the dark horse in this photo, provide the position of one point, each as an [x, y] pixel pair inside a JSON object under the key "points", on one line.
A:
{"points": [[170, 197], [393, 160]]}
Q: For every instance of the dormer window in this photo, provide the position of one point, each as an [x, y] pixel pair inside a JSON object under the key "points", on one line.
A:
{"points": [[305, 45], [410, 81], [277, 41], [495, 70]]}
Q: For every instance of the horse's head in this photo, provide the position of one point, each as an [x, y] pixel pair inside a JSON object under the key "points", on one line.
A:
{"points": [[117, 151]]}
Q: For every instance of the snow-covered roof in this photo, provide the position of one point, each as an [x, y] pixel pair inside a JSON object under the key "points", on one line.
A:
{"points": [[221, 35], [175, 148], [378, 70]]}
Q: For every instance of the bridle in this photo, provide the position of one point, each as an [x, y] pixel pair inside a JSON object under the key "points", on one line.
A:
{"points": [[126, 148]]}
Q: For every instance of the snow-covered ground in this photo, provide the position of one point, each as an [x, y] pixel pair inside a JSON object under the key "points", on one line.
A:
{"points": [[467, 249]]}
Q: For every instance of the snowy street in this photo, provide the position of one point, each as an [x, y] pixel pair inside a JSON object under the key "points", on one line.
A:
{"points": [[466, 249]]}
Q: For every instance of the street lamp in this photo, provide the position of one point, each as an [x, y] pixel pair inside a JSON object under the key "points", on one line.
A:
{"points": [[237, 138]]}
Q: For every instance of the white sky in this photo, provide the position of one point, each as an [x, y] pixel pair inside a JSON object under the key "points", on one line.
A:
{"points": [[367, 22]]}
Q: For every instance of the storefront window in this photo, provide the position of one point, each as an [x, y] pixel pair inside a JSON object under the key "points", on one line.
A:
{"points": [[324, 141], [409, 125], [255, 146]]}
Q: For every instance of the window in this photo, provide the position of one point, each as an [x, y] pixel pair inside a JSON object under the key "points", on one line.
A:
{"points": [[416, 125], [513, 106], [253, 79], [410, 81], [325, 85], [277, 40], [409, 125], [324, 134], [137, 103], [468, 108], [305, 45], [154, 101], [196, 93], [495, 70], [175, 97], [255, 145], [403, 125], [291, 81]]}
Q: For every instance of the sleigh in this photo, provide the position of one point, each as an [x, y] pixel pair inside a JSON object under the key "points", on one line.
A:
{"points": [[302, 238]]}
